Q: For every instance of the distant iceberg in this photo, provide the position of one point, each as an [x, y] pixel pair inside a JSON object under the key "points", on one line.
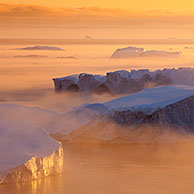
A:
{"points": [[40, 48], [66, 57], [127, 52], [155, 53], [189, 47], [141, 52], [31, 56]]}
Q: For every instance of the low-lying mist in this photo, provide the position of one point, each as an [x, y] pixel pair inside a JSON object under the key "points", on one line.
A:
{"points": [[60, 102]]}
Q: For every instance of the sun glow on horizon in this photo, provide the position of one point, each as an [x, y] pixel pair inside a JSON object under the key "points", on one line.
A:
{"points": [[100, 19], [186, 5]]}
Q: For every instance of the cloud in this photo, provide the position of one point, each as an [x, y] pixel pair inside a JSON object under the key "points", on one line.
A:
{"points": [[39, 17], [88, 15]]}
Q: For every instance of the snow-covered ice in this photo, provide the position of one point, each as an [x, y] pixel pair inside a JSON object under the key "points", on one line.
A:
{"points": [[123, 81], [161, 114], [154, 98], [148, 100], [27, 152]]}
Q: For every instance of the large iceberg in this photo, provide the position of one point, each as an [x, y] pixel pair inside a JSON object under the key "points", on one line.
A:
{"points": [[124, 82], [27, 152], [159, 114], [153, 98]]}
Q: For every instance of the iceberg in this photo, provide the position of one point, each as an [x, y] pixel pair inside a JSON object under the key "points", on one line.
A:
{"points": [[31, 56], [127, 52], [156, 97], [156, 53], [84, 83], [140, 52], [40, 48], [27, 152], [68, 83], [160, 114], [123, 81]]}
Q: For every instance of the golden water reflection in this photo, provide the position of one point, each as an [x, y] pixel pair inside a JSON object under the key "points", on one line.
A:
{"points": [[118, 169]]}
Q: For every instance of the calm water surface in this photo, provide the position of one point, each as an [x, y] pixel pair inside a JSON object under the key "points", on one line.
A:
{"points": [[118, 169]]}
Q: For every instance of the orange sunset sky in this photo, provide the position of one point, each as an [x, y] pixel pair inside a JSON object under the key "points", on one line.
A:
{"points": [[97, 18]]}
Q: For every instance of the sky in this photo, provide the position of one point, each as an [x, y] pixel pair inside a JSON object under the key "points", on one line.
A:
{"points": [[96, 18], [177, 5]]}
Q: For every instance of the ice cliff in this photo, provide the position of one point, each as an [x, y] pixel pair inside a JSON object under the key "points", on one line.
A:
{"points": [[124, 82], [118, 82]]}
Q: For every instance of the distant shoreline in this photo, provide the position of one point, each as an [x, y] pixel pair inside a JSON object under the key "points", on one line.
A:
{"points": [[93, 41]]}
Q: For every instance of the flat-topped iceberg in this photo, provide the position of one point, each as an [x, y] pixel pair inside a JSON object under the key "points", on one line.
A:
{"points": [[123, 81], [154, 98], [127, 52], [159, 114], [31, 56], [118, 82], [83, 82], [141, 52], [156, 53], [38, 47], [27, 152]]}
